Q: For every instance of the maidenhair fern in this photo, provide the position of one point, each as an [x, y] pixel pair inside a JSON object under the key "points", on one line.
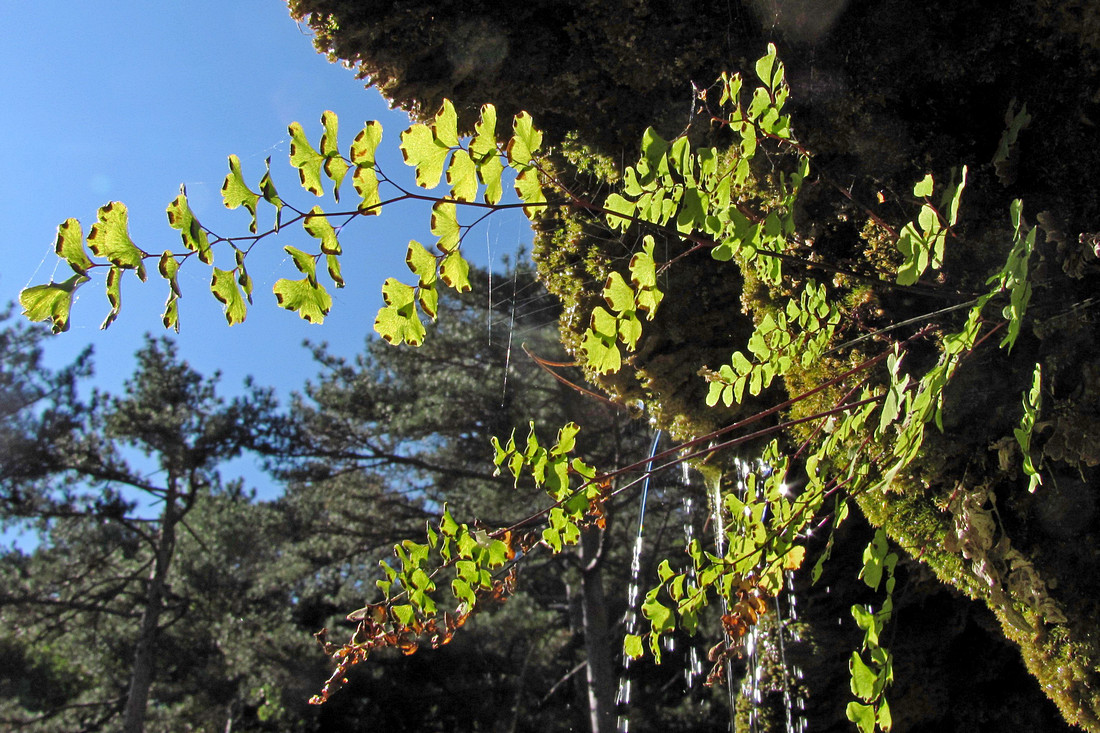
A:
{"points": [[712, 200]]}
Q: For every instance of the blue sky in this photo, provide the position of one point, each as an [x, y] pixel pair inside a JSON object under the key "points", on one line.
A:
{"points": [[124, 101]]}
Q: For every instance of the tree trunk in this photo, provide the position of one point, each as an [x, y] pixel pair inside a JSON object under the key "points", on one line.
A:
{"points": [[597, 640], [141, 675]]}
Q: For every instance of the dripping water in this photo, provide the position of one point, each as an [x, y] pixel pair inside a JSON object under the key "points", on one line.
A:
{"points": [[694, 668], [777, 635], [622, 700]]}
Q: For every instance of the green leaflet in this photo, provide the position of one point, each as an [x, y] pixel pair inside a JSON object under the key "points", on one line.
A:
{"points": [[422, 263], [332, 264], [525, 143], [445, 125], [51, 302], [1032, 400], [397, 321], [365, 181], [235, 192], [862, 715], [869, 680], [171, 317], [243, 278], [168, 267], [334, 166], [304, 261], [422, 150], [306, 159], [622, 323], [620, 210], [864, 680], [923, 188], [444, 224], [271, 196], [317, 226], [489, 172], [454, 271], [483, 151], [365, 144], [365, 178], [484, 144], [224, 286], [529, 189], [921, 243], [70, 246], [114, 296], [462, 177], [643, 275], [618, 293], [1013, 277], [191, 232], [110, 239], [632, 646], [306, 296]]}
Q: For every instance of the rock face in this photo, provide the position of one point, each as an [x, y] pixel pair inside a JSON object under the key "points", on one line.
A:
{"points": [[882, 92]]}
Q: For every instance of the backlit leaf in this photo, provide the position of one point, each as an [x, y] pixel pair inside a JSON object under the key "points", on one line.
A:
{"points": [[446, 124], [484, 143], [365, 181], [424, 152], [51, 302], [271, 196], [923, 187], [318, 227], [643, 275], [603, 355], [168, 267], [604, 324], [632, 646], [444, 224], [333, 265], [630, 330], [525, 142], [304, 261], [335, 167], [618, 293], [462, 176], [306, 159], [171, 315], [862, 715], [529, 189], [306, 296], [863, 678], [421, 262], [114, 296], [951, 199], [110, 239], [618, 208], [489, 172], [235, 192], [398, 322], [365, 144], [428, 299], [70, 246], [455, 272], [224, 286], [765, 64]]}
